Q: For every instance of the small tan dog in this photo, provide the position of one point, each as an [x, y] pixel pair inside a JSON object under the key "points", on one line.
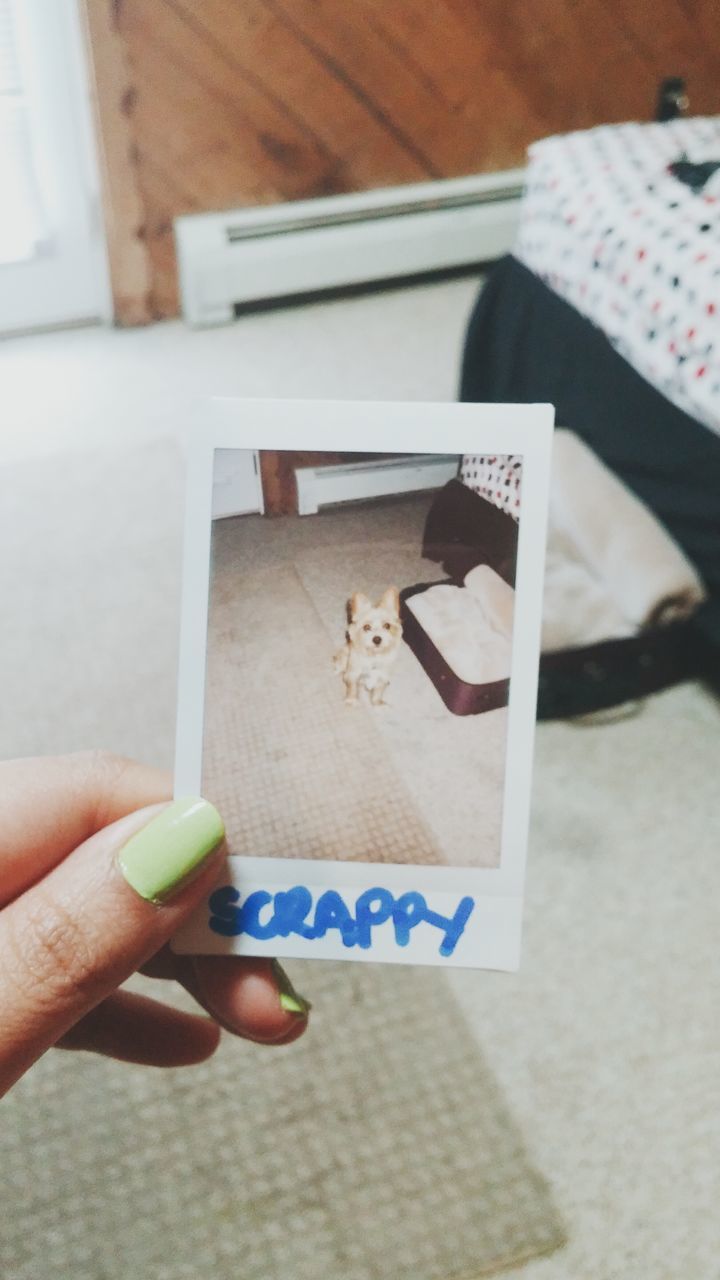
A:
{"points": [[372, 642]]}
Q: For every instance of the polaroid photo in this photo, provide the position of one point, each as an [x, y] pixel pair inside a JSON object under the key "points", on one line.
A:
{"points": [[358, 675]]}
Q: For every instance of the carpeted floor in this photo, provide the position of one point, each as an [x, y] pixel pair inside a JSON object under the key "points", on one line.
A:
{"points": [[379, 1148], [375, 787], [293, 771], [607, 1043]]}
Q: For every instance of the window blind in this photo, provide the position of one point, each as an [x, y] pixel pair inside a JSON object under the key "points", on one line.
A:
{"points": [[21, 213]]}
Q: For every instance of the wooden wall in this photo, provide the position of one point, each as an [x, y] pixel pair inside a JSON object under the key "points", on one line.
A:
{"points": [[208, 104], [277, 473]]}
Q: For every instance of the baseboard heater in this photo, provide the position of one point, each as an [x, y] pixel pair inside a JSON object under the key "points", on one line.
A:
{"points": [[378, 478], [227, 260]]}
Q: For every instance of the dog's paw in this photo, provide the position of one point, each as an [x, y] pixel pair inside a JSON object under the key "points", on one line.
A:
{"points": [[352, 702]]}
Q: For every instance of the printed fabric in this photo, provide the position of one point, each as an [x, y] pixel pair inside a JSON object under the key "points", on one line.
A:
{"points": [[608, 227], [497, 477]]}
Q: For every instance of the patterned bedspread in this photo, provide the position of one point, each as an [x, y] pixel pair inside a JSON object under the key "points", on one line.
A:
{"points": [[608, 227], [496, 477]]}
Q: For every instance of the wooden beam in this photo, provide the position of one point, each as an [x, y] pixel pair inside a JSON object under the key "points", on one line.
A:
{"points": [[277, 472], [113, 96]]}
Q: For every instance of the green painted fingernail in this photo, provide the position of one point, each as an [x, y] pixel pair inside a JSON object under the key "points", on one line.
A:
{"points": [[158, 860], [290, 1000]]}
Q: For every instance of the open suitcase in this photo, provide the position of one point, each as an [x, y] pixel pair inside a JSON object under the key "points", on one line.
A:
{"points": [[525, 344], [464, 530], [462, 697]]}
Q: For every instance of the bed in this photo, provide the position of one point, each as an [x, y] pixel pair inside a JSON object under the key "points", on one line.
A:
{"points": [[609, 225], [535, 336]]}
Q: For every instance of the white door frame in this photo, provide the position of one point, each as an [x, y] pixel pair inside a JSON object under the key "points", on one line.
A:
{"points": [[237, 485], [68, 281]]}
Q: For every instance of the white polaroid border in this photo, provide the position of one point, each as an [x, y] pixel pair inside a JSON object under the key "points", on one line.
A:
{"points": [[382, 922]]}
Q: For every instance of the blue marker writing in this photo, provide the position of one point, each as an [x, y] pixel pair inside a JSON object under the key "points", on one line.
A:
{"points": [[265, 916]]}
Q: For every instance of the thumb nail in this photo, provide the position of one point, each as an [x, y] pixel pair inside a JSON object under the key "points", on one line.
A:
{"points": [[160, 859], [290, 999]]}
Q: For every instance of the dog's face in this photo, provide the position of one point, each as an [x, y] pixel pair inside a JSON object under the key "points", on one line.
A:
{"points": [[375, 629]]}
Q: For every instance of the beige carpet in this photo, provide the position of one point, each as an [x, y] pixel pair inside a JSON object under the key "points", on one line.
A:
{"points": [[380, 1148], [607, 1042], [452, 767], [294, 772]]}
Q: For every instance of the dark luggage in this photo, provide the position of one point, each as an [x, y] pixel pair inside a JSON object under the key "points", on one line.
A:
{"points": [[463, 530]]}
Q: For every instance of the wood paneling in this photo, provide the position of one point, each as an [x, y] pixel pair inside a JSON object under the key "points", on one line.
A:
{"points": [[277, 471], [208, 104], [113, 98]]}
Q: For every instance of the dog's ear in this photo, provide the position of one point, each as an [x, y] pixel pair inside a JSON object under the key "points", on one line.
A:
{"points": [[390, 600], [357, 604]]}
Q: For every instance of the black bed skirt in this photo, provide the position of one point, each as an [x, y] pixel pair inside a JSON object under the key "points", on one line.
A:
{"points": [[525, 344]]}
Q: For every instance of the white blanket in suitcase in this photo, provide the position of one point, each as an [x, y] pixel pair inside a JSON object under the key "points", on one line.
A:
{"points": [[471, 626], [611, 569]]}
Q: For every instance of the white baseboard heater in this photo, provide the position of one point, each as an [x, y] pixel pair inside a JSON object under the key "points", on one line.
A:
{"points": [[251, 255], [378, 478]]}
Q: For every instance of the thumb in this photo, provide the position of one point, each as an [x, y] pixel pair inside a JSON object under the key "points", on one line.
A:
{"points": [[72, 938]]}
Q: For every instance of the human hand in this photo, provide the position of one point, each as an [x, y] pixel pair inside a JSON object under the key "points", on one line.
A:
{"points": [[83, 905]]}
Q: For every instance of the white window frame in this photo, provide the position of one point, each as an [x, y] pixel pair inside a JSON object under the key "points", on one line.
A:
{"points": [[68, 279]]}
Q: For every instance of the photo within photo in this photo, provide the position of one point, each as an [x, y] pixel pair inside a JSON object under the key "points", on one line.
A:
{"points": [[359, 644]]}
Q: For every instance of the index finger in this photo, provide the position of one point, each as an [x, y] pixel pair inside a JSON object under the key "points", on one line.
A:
{"points": [[51, 804]]}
